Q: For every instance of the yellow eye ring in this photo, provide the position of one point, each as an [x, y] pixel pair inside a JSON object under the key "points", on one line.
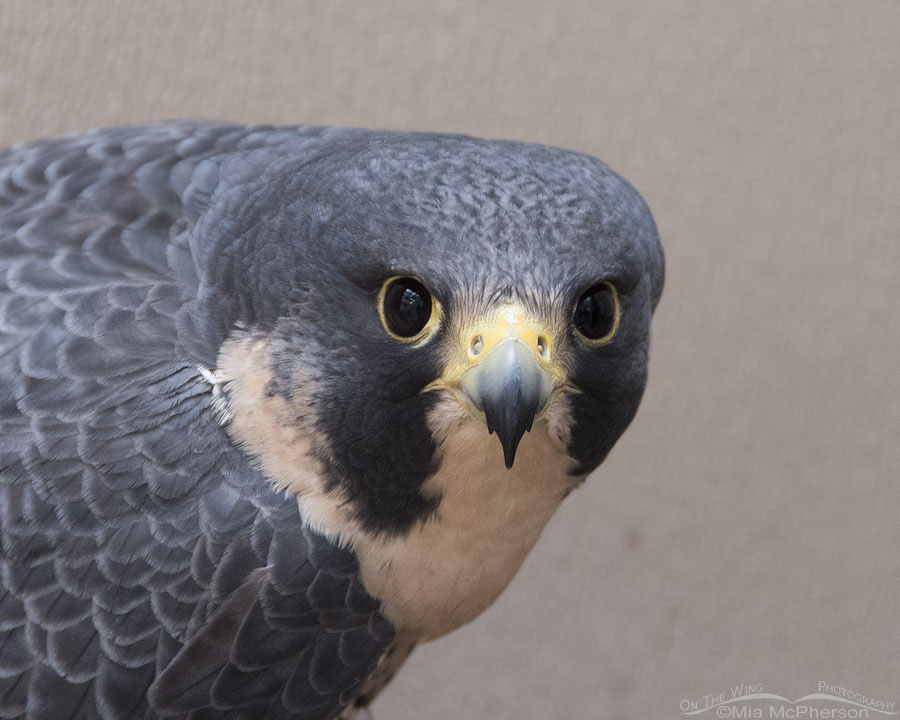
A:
{"points": [[597, 314], [408, 311]]}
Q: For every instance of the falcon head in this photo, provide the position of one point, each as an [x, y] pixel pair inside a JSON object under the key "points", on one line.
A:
{"points": [[406, 288]]}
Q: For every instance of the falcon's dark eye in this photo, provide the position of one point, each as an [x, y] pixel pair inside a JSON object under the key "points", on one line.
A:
{"points": [[406, 308], [597, 313]]}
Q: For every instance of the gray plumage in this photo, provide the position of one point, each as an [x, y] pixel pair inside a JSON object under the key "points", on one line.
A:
{"points": [[131, 529], [148, 567]]}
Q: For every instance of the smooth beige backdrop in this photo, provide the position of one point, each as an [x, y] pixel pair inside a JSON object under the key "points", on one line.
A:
{"points": [[747, 528]]}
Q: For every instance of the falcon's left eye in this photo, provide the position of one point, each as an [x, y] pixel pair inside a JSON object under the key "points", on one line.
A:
{"points": [[597, 313], [407, 309]]}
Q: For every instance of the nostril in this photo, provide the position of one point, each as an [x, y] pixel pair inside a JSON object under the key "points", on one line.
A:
{"points": [[542, 345], [477, 345]]}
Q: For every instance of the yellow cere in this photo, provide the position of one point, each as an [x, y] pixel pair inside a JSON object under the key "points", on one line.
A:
{"points": [[510, 321]]}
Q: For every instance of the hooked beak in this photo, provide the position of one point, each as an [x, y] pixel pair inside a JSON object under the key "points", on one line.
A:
{"points": [[505, 373], [510, 388]]}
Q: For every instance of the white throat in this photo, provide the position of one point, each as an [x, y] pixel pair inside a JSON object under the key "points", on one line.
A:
{"points": [[449, 569]]}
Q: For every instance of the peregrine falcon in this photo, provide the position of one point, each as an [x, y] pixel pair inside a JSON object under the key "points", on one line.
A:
{"points": [[279, 403]]}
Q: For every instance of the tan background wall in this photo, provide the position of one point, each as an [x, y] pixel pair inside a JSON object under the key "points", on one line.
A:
{"points": [[747, 528]]}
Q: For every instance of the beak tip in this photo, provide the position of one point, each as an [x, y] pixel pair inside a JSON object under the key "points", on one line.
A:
{"points": [[510, 446]]}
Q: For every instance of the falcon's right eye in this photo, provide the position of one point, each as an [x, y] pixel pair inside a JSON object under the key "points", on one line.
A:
{"points": [[407, 310]]}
